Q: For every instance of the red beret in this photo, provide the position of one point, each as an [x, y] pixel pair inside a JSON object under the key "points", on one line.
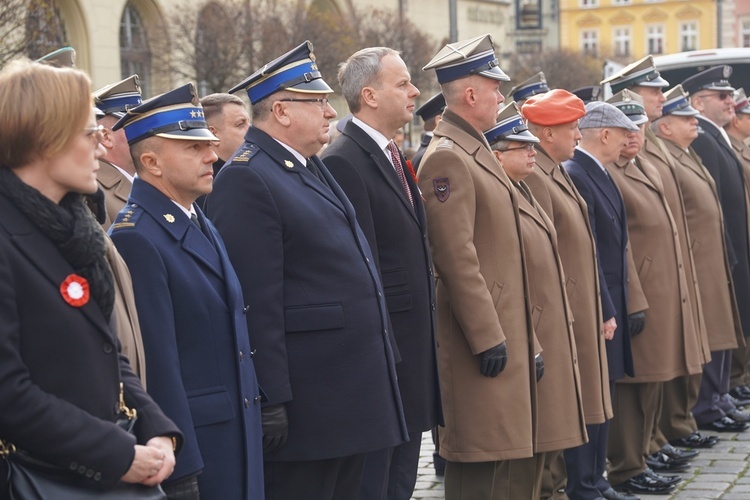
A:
{"points": [[553, 108]]}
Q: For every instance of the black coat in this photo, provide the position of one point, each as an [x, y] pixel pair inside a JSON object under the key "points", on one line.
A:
{"points": [[397, 234], [721, 162], [610, 228], [424, 142], [316, 314], [59, 365]]}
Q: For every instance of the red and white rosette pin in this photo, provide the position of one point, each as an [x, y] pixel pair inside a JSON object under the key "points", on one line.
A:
{"points": [[75, 290]]}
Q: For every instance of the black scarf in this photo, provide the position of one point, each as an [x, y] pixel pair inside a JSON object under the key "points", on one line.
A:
{"points": [[72, 228]]}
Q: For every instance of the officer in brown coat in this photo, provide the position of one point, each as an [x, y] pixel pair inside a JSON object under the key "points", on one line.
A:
{"points": [[680, 394], [486, 353], [116, 170], [561, 419], [678, 127], [553, 118], [668, 346]]}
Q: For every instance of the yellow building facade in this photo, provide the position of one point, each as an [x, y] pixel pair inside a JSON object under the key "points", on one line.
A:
{"points": [[627, 30]]}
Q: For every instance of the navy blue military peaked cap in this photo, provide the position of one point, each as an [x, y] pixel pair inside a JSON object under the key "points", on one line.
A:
{"points": [[677, 103], [537, 84], [117, 98], [433, 107], [510, 127], [588, 94], [715, 78], [295, 71], [176, 114]]}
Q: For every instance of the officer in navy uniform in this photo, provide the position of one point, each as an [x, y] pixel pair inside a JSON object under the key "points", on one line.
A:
{"points": [[711, 94], [316, 308], [189, 302], [431, 112], [530, 87]]}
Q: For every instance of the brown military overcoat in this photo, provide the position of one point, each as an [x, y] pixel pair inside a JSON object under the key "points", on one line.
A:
{"points": [[560, 402], [116, 189], [475, 240], [559, 198], [669, 346], [706, 224], [655, 152]]}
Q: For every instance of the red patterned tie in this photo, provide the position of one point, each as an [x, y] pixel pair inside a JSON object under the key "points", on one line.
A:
{"points": [[398, 166]]}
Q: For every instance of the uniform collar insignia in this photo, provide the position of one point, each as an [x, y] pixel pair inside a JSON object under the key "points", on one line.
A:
{"points": [[288, 164], [169, 218]]}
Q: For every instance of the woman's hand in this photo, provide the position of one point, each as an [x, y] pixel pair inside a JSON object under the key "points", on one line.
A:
{"points": [[153, 463]]}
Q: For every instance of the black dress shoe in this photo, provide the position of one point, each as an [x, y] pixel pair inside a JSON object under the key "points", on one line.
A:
{"points": [[724, 424], [737, 403], [679, 455], [661, 462], [741, 392], [611, 494], [739, 416], [696, 440], [661, 478], [643, 483]]}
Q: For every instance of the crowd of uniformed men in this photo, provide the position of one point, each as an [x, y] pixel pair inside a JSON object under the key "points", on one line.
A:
{"points": [[559, 285]]}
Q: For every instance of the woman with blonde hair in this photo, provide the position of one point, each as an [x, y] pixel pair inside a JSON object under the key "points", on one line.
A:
{"points": [[67, 396]]}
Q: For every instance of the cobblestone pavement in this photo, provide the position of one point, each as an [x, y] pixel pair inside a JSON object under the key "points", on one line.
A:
{"points": [[718, 473]]}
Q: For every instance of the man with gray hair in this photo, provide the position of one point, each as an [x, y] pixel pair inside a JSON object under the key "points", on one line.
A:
{"points": [[371, 170]]}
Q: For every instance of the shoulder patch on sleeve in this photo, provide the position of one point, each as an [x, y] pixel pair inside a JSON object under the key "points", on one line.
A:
{"points": [[442, 188], [445, 144], [245, 153], [128, 217]]}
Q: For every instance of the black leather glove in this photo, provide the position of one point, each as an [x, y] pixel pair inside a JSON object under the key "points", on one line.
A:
{"points": [[539, 367], [493, 360], [275, 427], [636, 323]]}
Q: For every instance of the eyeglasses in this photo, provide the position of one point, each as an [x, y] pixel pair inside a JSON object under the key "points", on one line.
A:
{"points": [[721, 95], [97, 132], [529, 147], [322, 102]]}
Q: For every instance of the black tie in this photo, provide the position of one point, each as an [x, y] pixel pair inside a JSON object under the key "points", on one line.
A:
{"points": [[312, 167], [194, 219]]}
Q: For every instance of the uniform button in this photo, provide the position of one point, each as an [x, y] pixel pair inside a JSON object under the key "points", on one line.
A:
{"points": [[242, 356], [575, 360], [256, 400], [432, 305], [252, 353], [82, 469], [430, 272], [73, 466], [367, 260], [680, 266], [89, 473], [247, 403], [134, 205], [107, 348], [245, 309], [380, 295], [97, 476]]}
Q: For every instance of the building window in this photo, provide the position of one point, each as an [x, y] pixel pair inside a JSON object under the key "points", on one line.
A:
{"points": [[528, 47], [622, 42], [655, 39], [689, 36], [528, 14], [135, 55], [745, 33], [588, 3], [621, 2], [590, 42], [45, 31]]}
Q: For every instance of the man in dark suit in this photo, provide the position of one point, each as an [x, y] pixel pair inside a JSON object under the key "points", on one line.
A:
{"points": [[600, 144], [431, 112], [315, 304], [711, 94], [189, 302], [370, 169]]}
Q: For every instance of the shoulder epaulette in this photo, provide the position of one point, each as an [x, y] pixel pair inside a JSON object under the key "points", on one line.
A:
{"points": [[245, 153], [128, 217], [445, 143]]}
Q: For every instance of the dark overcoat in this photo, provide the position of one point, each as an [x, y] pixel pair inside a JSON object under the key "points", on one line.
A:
{"points": [[316, 311], [397, 233], [608, 221], [722, 163], [195, 338], [59, 365], [424, 141]]}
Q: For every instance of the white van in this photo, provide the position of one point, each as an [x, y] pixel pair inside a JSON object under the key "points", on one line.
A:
{"points": [[677, 67]]}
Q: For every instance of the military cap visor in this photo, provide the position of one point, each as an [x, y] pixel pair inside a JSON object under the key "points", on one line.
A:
{"points": [[475, 56], [295, 71], [433, 107], [117, 98], [715, 78], [677, 103], [631, 104], [641, 73]]}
